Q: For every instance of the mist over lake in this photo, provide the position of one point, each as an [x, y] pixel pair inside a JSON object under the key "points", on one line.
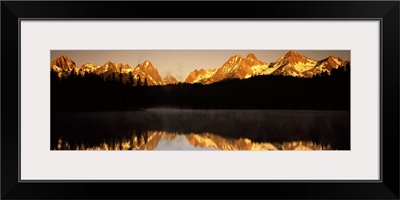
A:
{"points": [[273, 126]]}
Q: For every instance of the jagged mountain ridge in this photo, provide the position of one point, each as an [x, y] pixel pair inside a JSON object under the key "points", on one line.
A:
{"points": [[290, 64], [237, 67], [62, 63], [146, 71], [200, 76], [295, 64]]}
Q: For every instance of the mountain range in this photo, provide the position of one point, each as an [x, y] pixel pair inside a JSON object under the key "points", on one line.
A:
{"points": [[290, 64], [146, 71]]}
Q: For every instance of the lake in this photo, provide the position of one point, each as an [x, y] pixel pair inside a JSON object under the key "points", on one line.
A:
{"points": [[178, 129]]}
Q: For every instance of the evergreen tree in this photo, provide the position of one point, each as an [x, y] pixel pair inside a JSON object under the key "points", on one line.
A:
{"points": [[120, 75], [130, 79]]}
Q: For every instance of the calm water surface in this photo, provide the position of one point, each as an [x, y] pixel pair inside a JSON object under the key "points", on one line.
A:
{"points": [[176, 129]]}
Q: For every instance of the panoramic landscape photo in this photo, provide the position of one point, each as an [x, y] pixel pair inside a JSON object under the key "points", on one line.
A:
{"points": [[200, 99]]}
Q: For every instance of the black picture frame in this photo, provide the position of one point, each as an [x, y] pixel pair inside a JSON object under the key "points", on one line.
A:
{"points": [[386, 11]]}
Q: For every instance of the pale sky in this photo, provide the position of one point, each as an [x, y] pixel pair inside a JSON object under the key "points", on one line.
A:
{"points": [[179, 63]]}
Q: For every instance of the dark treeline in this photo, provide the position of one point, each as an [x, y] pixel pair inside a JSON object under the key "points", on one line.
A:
{"points": [[92, 92], [96, 93], [322, 92]]}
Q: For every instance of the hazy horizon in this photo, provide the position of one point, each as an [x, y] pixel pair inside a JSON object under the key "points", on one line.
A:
{"points": [[179, 63]]}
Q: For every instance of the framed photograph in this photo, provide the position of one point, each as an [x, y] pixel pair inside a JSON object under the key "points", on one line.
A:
{"points": [[100, 99]]}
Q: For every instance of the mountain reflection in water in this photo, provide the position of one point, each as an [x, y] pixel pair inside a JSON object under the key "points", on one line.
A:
{"points": [[161, 140]]}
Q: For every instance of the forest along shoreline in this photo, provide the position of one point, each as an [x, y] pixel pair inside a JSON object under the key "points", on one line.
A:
{"points": [[95, 93]]}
